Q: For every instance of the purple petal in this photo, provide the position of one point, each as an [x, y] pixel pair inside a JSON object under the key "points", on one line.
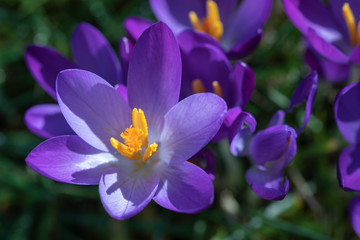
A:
{"points": [[135, 26], [190, 125], [347, 114], [155, 74], [313, 14], [208, 64], [189, 39], [125, 50], [277, 118], [252, 12], [355, 55], [305, 91], [267, 184], [354, 212], [92, 107], [93, 52], [244, 83], [46, 120], [331, 71], [326, 48], [44, 64], [205, 159], [185, 188], [349, 168], [231, 115], [124, 194], [175, 13], [71, 160], [244, 48], [274, 147], [240, 133], [122, 90]]}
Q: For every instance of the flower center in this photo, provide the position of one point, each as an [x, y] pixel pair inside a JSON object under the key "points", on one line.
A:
{"points": [[135, 138], [198, 87], [211, 24], [354, 30]]}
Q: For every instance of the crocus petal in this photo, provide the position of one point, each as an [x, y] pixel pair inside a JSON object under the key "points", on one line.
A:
{"points": [[46, 120], [326, 48], [354, 212], [349, 168], [190, 125], [306, 91], [252, 12], [346, 112], [244, 83], [231, 115], [135, 26], [44, 64], [208, 64], [331, 71], [155, 74], [92, 107], [274, 147], [185, 188], [124, 194], [175, 13], [303, 16], [125, 50], [122, 90], [188, 39], [267, 184], [244, 48], [355, 55], [240, 133], [205, 159], [93, 52], [71, 160], [277, 118]]}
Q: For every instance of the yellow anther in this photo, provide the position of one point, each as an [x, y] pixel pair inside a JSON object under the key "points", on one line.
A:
{"points": [[124, 150], [217, 89], [211, 24], [135, 138], [354, 31], [150, 150], [139, 121], [198, 86]]}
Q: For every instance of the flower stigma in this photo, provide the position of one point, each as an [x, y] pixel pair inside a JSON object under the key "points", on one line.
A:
{"points": [[198, 87], [135, 138], [211, 24], [354, 31]]}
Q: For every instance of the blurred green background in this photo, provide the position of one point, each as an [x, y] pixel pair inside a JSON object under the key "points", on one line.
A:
{"points": [[34, 207]]}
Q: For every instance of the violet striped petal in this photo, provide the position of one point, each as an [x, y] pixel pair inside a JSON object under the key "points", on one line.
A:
{"points": [[92, 52], [71, 160], [185, 188], [46, 120], [349, 168]]}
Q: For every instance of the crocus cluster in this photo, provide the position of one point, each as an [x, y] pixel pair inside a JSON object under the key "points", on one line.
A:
{"points": [[273, 148], [138, 127], [347, 115], [234, 29], [332, 34]]}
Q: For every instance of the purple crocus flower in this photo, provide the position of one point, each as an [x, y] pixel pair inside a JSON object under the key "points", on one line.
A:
{"points": [[91, 52], [205, 68], [237, 30], [347, 116], [331, 31], [135, 151], [273, 148]]}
